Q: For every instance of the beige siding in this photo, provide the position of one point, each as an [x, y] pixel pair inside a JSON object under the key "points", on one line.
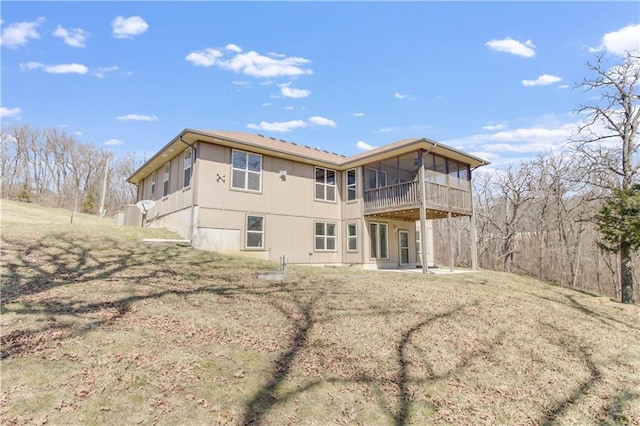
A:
{"points": [[286, 202], [292, 194]]}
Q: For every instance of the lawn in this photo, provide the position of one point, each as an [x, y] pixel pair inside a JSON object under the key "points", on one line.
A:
{"points": [[99, 327]]}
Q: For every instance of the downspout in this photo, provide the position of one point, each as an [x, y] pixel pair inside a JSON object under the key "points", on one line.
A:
{"points": [[194, 200]]}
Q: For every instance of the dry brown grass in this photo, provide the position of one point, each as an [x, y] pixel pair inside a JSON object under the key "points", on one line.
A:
{"points": [[100, 328]]}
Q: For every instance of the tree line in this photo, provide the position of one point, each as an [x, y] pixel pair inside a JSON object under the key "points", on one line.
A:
{"points": [[52, 168], [571, 218]]}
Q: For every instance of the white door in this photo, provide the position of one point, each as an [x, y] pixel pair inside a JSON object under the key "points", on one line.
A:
{"points": [[403, 239]]}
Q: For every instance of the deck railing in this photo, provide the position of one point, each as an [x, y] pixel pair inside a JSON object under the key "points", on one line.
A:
{"points": [[399, 195], [407, 195]]}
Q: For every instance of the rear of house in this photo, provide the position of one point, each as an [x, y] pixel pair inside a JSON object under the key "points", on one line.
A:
{"points": [[238, 192]]}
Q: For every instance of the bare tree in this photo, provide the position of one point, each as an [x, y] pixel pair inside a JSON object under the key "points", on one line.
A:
{"points": [[607, 143], [52, 168]]}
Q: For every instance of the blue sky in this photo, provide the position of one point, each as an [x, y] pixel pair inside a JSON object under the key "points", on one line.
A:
{"points": [[491, 78]]}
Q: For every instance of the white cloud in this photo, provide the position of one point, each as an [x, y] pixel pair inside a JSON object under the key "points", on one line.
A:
{"points": [[56, 69], [564, 86], [485, 155], [240, 83], [278, 126], [204, 58], [254, 64], [532, 140], [267, 104], [19, 34], [9, 112], [321, 121], [113, 142], [233, 47], [78, 133], [512, 46], [137, 117], [30, 65], [358, 114], [386, 129], [621, 41], [101, 71], [401, 96], [289, 92], [543, 80], [66, 69], [363, 145], [492, 127], [75, 37], [128, 27]]}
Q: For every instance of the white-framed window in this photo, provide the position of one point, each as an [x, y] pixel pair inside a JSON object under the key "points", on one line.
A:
{"points": [[165, 179], [188, 154], [246, 170], [325, 184], [325, 236], [152, 190], [352, 236], [255, 232], [376, 178], [352, 188], [379, 240]]}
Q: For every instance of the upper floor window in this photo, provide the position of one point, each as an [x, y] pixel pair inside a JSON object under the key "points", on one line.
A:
{"points": [[246, 170], [187, 166], [352, 190], [165, 179], [153, 184], [325, 184], [376, 178]]}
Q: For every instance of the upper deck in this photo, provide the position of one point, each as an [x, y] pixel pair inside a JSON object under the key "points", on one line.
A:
{"points": [[396, 191]]}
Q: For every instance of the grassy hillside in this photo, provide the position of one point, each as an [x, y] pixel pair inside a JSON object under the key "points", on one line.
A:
{"points": [[14, 211], [98, 327]]}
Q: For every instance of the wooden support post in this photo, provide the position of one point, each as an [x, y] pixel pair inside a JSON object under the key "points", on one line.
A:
{"points": [[451, 254], [474, 241], [423, 215]]}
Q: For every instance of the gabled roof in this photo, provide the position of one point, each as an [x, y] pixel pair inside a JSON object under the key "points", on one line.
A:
{"points": [[289, 150]]}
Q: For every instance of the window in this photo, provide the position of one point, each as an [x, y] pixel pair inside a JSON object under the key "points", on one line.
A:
{"points": [[325, 184], [153, 184], [187, 167], [352, 190], [325, 236], [377, 178], [379, 240], [255, 231], [352, 236], [246, 170], [165, 179]]}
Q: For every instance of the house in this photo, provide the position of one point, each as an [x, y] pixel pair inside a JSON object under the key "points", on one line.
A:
{"points": [[265, 197]]}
